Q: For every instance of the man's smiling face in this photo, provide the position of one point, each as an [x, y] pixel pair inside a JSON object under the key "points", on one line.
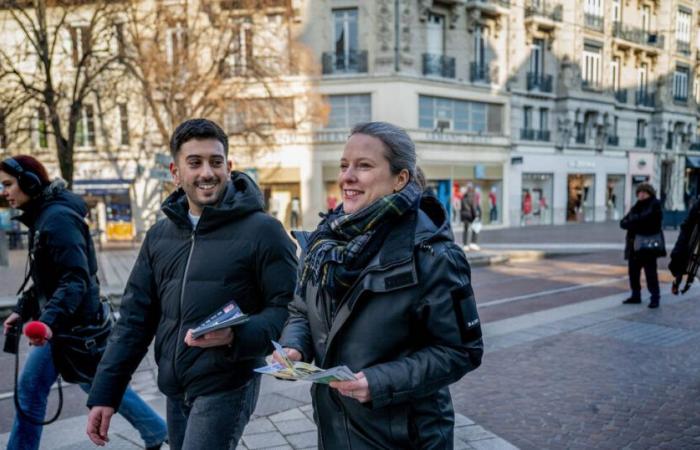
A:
{"points": [[202, 170]]}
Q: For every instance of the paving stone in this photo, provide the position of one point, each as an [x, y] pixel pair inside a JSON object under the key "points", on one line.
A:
{"points": [[308, 439], [264, 440], [260, 425], [461, 445], [492, 444], [295, 426], [461, 421], [472, 433], [291, 414]]}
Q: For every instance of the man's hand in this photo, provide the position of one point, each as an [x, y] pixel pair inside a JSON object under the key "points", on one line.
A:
{"points": [[215, 338], [98, 424], [292, 354], [358, 389], [10, 322]]}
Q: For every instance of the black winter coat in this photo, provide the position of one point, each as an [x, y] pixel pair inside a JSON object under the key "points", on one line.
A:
{"points": [[644, 218], [681, 250], [182, 276], [410, 323], [64, 272]]}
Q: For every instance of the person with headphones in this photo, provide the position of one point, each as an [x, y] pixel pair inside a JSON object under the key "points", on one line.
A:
{"points": [[63, 270]]}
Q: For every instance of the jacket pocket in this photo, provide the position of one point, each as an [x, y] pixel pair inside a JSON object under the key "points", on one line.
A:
{"points": [[399, 425]]}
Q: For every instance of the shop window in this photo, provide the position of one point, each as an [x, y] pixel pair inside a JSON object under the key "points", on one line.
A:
{"points": [[444, 114], [349, 110]]}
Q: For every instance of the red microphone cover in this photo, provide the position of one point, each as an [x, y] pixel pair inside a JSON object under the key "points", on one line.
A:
{"points": [[35, 330]]}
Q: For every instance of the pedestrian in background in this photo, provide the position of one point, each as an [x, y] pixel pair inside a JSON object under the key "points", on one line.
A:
{"points": [[64, 273], [215, 245], [384, 289], [469, 214], [683, 249], [644, 243]]}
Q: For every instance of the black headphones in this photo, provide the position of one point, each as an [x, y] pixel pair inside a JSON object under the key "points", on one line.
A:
{"points": [[28, 181]]}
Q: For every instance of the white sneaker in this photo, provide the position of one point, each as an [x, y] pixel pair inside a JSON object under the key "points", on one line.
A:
{"points": [[474, 247]]}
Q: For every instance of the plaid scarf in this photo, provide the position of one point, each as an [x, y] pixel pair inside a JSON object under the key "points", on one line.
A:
{"points": [[344, 243]]}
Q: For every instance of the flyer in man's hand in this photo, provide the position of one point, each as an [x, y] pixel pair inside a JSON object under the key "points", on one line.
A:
{"points": [[228, 316], [297, 370]]}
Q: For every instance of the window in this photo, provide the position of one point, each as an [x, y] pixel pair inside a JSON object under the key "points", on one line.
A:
{"points": [[459, 115], [345, 22], [121, 44], [349, 110], [85, 132], [594, 7], [527, 117], [615, 73], [641, 128], [615, 124], [123, 124], [480, 46], [176, 44], [680, 83], [537, 57], [435, 34], [80, 43], [642, 77], [544, 119], [591, 65], [646, 18], [616, 10], [683, 26], [240, 52], [259, 115], [41, 137]]}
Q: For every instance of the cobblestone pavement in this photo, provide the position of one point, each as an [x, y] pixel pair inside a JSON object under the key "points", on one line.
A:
{"points": [[624, 377]]}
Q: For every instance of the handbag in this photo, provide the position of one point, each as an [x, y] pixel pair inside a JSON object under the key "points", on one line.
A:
{"points": [[650, 244], [77, 352]]}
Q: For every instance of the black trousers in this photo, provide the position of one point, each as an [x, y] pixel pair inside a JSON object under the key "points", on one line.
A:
{"points": [[635, 265]]}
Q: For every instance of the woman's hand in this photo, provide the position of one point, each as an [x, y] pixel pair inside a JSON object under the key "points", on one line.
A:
{"points": [[10, 322], [215, 338], [358, 389], [292, 354]]}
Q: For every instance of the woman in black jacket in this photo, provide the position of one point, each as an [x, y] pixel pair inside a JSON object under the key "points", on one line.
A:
{"points": [[644, 219], [384, 290], [66, 293]]}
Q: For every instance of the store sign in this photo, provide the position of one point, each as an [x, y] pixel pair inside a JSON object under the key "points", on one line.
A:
{"points": [[577, 164], [636, 179]]}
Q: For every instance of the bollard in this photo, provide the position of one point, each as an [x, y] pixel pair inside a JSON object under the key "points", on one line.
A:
{"points": [[4, 249]]}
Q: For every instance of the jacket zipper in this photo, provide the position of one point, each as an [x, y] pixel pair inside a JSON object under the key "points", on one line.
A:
{"points": [[182, 297]]}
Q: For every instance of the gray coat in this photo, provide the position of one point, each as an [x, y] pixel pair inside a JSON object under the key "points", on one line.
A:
{"points": [[410, 323]]}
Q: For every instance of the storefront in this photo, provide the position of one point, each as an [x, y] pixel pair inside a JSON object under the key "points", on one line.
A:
{"points": [[536, 199], [281, 192], [580, 203], [615, 197], [692, 181], [109, 206]]}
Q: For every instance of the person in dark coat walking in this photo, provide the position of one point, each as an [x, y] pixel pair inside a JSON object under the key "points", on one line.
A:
{"points": [[384, 289], [64, 274], [469, 213], [215, 245], [644, 218], [680, 255]]}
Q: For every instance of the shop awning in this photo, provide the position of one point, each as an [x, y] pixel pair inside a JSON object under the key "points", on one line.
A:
{"points": [[693, 162], [118, 186]]}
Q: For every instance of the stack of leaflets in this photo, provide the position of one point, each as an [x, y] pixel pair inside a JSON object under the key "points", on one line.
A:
{"points": [[297, 370], [228, 316]]}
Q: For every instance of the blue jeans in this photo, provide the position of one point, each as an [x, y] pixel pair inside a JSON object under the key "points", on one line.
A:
{"points": [[213, 421], [39, 373]]}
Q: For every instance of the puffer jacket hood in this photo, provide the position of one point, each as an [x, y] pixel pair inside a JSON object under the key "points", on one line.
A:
{"points": [[432, 224], [242, 197], [54, 193]]}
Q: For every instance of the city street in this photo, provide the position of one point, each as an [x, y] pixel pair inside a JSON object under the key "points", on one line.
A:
{"points": [[566, 365]]}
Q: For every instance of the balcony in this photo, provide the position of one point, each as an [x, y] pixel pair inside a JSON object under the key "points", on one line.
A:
{"points": [[680, 99], [594, 21], [544, 14], [640, 142], [539, 81], [621, 95], [614, 141], [438, 65], [489, 8], [479, 73], [683, 47], [695, 146], [530, 134], [643, 98], [637, 36], [337, 63], [591, 85]]}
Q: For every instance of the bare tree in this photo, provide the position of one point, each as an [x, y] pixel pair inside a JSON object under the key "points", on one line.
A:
{"points": [[234, 61], [56, 53]]}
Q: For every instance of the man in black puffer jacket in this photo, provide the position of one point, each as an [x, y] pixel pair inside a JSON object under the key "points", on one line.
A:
{"points": [[216, 245]]}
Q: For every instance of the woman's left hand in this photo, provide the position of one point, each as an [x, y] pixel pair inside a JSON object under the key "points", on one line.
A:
{"points": [[358, 389]]}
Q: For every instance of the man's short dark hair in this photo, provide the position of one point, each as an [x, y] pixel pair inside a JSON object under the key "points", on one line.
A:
{"points": [[196, 129]]}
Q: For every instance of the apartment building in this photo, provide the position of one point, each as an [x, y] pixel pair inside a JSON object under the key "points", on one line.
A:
{"points": [[604, 97]]}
